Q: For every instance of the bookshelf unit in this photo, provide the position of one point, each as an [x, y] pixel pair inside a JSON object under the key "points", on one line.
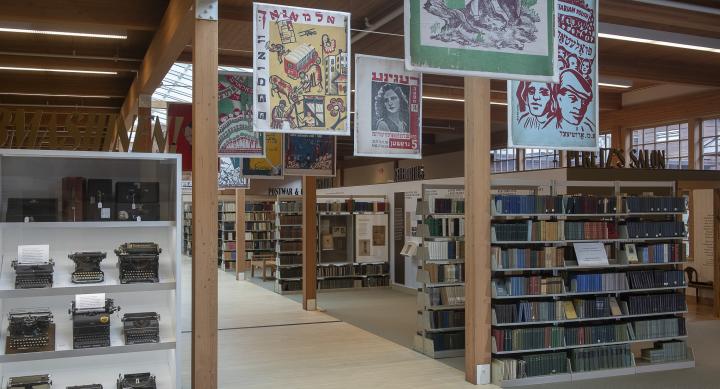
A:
{"points": [[566, 319], [227, 239], [440, 331], [259, 228], [288, 244], [340, 264], [187, 228]]}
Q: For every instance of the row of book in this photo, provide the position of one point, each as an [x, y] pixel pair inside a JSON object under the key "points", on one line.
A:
{"points": [[226, 207], [598, 282], [447, 340], [604, 357], [260, 207], [447, 295], [259, 245], [350, 269], [446, 272], [352, 206], [519, 258], [663, 352], [534, 365], [660, 253], [533, 285], [259, 235], [449, 205], [532, 338], [656, 303], [259, 216], [527, 204], [290, 232], [290, 285], [579, 230], [655, 229], [227, 217], [529, 311], [590, 204], [655, 204], [290, 219], [447, 319], [336, 270], [646, 279], [659, 328], [545, 230], [289, 259], [227, 235], [290, 206], [339, 283], [371, 269], [289, 272], [603, 333], [586, 204], [371, 282], [265, 226], [594, 307], [291, 246], [229, 245], [445, 250], [445, 227]]}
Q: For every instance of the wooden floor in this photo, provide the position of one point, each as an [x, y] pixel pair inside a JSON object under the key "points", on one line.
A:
{"points": [[268, 341]]}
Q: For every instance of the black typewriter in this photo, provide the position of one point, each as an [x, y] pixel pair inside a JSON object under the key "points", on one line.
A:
{"points": [[30, 330], [41, 381], [91, 327], [33, 275], [87, 267], [138, 262], [141, 327], [91, 386], [136, 381]]}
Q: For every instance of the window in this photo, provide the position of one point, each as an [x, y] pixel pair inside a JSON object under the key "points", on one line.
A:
{"points": [[670, 139], [503, 160], [710, 138], [541, 159], [605, 141]]}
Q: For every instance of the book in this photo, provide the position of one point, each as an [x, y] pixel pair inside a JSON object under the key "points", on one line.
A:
{"points": [[569, 310]]}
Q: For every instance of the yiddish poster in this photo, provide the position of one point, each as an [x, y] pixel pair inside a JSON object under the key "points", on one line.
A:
{"points": [[301, 69], [507, 39], [230, 174], [563, 115], [388, 106], [179, 122], [309, 155], [235, 132], [269, 166]]}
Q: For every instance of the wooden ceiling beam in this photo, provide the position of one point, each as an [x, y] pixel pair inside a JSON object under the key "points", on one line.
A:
{"points": [[68, 63], [666, 70], [113, 103], [633, 13], [57, 84]]}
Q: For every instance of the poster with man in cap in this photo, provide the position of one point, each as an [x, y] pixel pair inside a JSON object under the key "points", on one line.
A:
{"points": [[563, 115]]}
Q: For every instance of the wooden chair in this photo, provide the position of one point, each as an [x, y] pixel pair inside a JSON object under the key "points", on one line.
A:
{"points": [[693, 282], [262, 262]]}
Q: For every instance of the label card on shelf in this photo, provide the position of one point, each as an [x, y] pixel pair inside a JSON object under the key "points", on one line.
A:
{"points": [[591, 254], [90, 301], [105, 213], [35, 253]]}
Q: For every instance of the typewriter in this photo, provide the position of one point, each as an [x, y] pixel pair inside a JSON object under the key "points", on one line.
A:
{"points": [[30, 330], [91, 327], [91, 386], [33, 275], [87, 267], [141, 327], [136, 381], [138, 262], [41, 381]]}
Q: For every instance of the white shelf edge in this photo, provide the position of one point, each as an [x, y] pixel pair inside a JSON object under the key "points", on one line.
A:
{"points": [[90, 224], [87, 288], [95, 351]]}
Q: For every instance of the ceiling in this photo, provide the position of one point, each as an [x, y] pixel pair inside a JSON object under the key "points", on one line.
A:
{"points": [[643, 65]]}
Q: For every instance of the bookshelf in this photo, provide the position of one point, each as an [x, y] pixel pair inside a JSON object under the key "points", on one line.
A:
{"points": [[288, 244], [227, 239], [352, 242], [187, 228], [440, 331], [259, 228], [558, 315]]}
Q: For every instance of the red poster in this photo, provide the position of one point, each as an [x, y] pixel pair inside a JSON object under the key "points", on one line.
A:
{"points": [[179, 122]]}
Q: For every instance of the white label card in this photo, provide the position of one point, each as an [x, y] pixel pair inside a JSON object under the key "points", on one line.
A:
{"points": [[35, 253], [105, 213], [90, 301], [591, 254]]}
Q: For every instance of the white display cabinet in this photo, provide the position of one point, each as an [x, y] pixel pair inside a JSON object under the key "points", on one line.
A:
{"points": [[26, 174]]}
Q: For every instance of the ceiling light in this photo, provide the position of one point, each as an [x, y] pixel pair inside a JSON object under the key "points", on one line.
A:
{"points": [[56, 70], [609, 85], [442, 98], [62, 33], [57, 95], [658, 42]]}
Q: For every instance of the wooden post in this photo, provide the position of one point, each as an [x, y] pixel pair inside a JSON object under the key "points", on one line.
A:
{"points": [[143, 130], [240, 265], [309, 281], [695, 160], [477, 230], [716, 253], [204, 200]]}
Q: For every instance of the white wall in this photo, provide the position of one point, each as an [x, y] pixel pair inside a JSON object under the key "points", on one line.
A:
{"points": [[703, 240]]}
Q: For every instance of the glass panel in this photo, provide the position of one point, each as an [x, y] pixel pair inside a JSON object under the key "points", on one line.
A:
{"points": [[709, 162], [649, 135], [683, 131], [709, 128], [673, 150], [637, 136]]}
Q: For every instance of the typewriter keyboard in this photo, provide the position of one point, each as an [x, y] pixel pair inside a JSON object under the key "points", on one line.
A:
{"points": [[34, 282], [145, 336], [86, 277], [28, 344], [129, 276], [90, 341]]}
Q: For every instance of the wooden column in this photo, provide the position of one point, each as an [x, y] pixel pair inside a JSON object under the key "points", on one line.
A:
{"points": [[477, 230], [204, 194], [716, 253], [694, 144], [143, 130], [240, 264], [309, 281]]}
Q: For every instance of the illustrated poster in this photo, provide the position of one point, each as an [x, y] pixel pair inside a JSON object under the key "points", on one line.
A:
{"points": [[235, 131], [309, 155], [179, 122], [301, 69], [269, 166], [230, 174], [506, 39], [563, 115], [389, 108], [371, 236]]}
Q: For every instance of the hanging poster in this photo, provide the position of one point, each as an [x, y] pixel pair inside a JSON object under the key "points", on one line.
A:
{"points": [[508, 39], [309, 155], [235, 131], [389, 108], [371, 237], [230, 174], [269, 166], [302, 70], [179, 122], [563, 115]]}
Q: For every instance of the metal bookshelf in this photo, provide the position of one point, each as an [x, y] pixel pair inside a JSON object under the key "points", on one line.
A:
{"points": [[289, 260], [187, 228], [259, 227], [227, 236]]}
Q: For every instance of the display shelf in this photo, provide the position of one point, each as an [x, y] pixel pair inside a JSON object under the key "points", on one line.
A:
{"points": [[570, 347], [570, 294], [263, 209], [286, 207], [587, 319], [578, 268]]}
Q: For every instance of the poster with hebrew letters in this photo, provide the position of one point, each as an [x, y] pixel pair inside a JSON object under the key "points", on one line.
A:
{"points": [[271, 165], [505, 39], [235, 131], [562, 115], [301, 63], [388, 106]]}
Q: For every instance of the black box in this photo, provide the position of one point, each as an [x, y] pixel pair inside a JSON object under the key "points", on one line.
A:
{"points": [[99, 191], [146, 212], [36, 210], [137, 192]]}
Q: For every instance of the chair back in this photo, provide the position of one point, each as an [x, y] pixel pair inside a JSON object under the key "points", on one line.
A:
{"points": [[692, 274]]}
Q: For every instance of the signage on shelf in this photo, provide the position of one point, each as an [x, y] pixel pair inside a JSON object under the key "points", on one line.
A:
{"points": [[415, 173], [284, 191], [615, 158]]}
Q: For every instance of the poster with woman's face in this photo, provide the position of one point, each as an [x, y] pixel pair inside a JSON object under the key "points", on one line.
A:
{"points": [[388, 108], [561, 115]]}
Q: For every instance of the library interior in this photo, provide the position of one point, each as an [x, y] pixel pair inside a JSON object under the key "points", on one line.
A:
{"points": [[360, 193]]}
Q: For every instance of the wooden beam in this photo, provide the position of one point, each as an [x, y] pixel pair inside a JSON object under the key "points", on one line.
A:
{"points": [[309, 235], [63, 84], [663, 111], [240, 263], [667, 70], [716, 253], [107, 65], [204, 200], [637, 14]]}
